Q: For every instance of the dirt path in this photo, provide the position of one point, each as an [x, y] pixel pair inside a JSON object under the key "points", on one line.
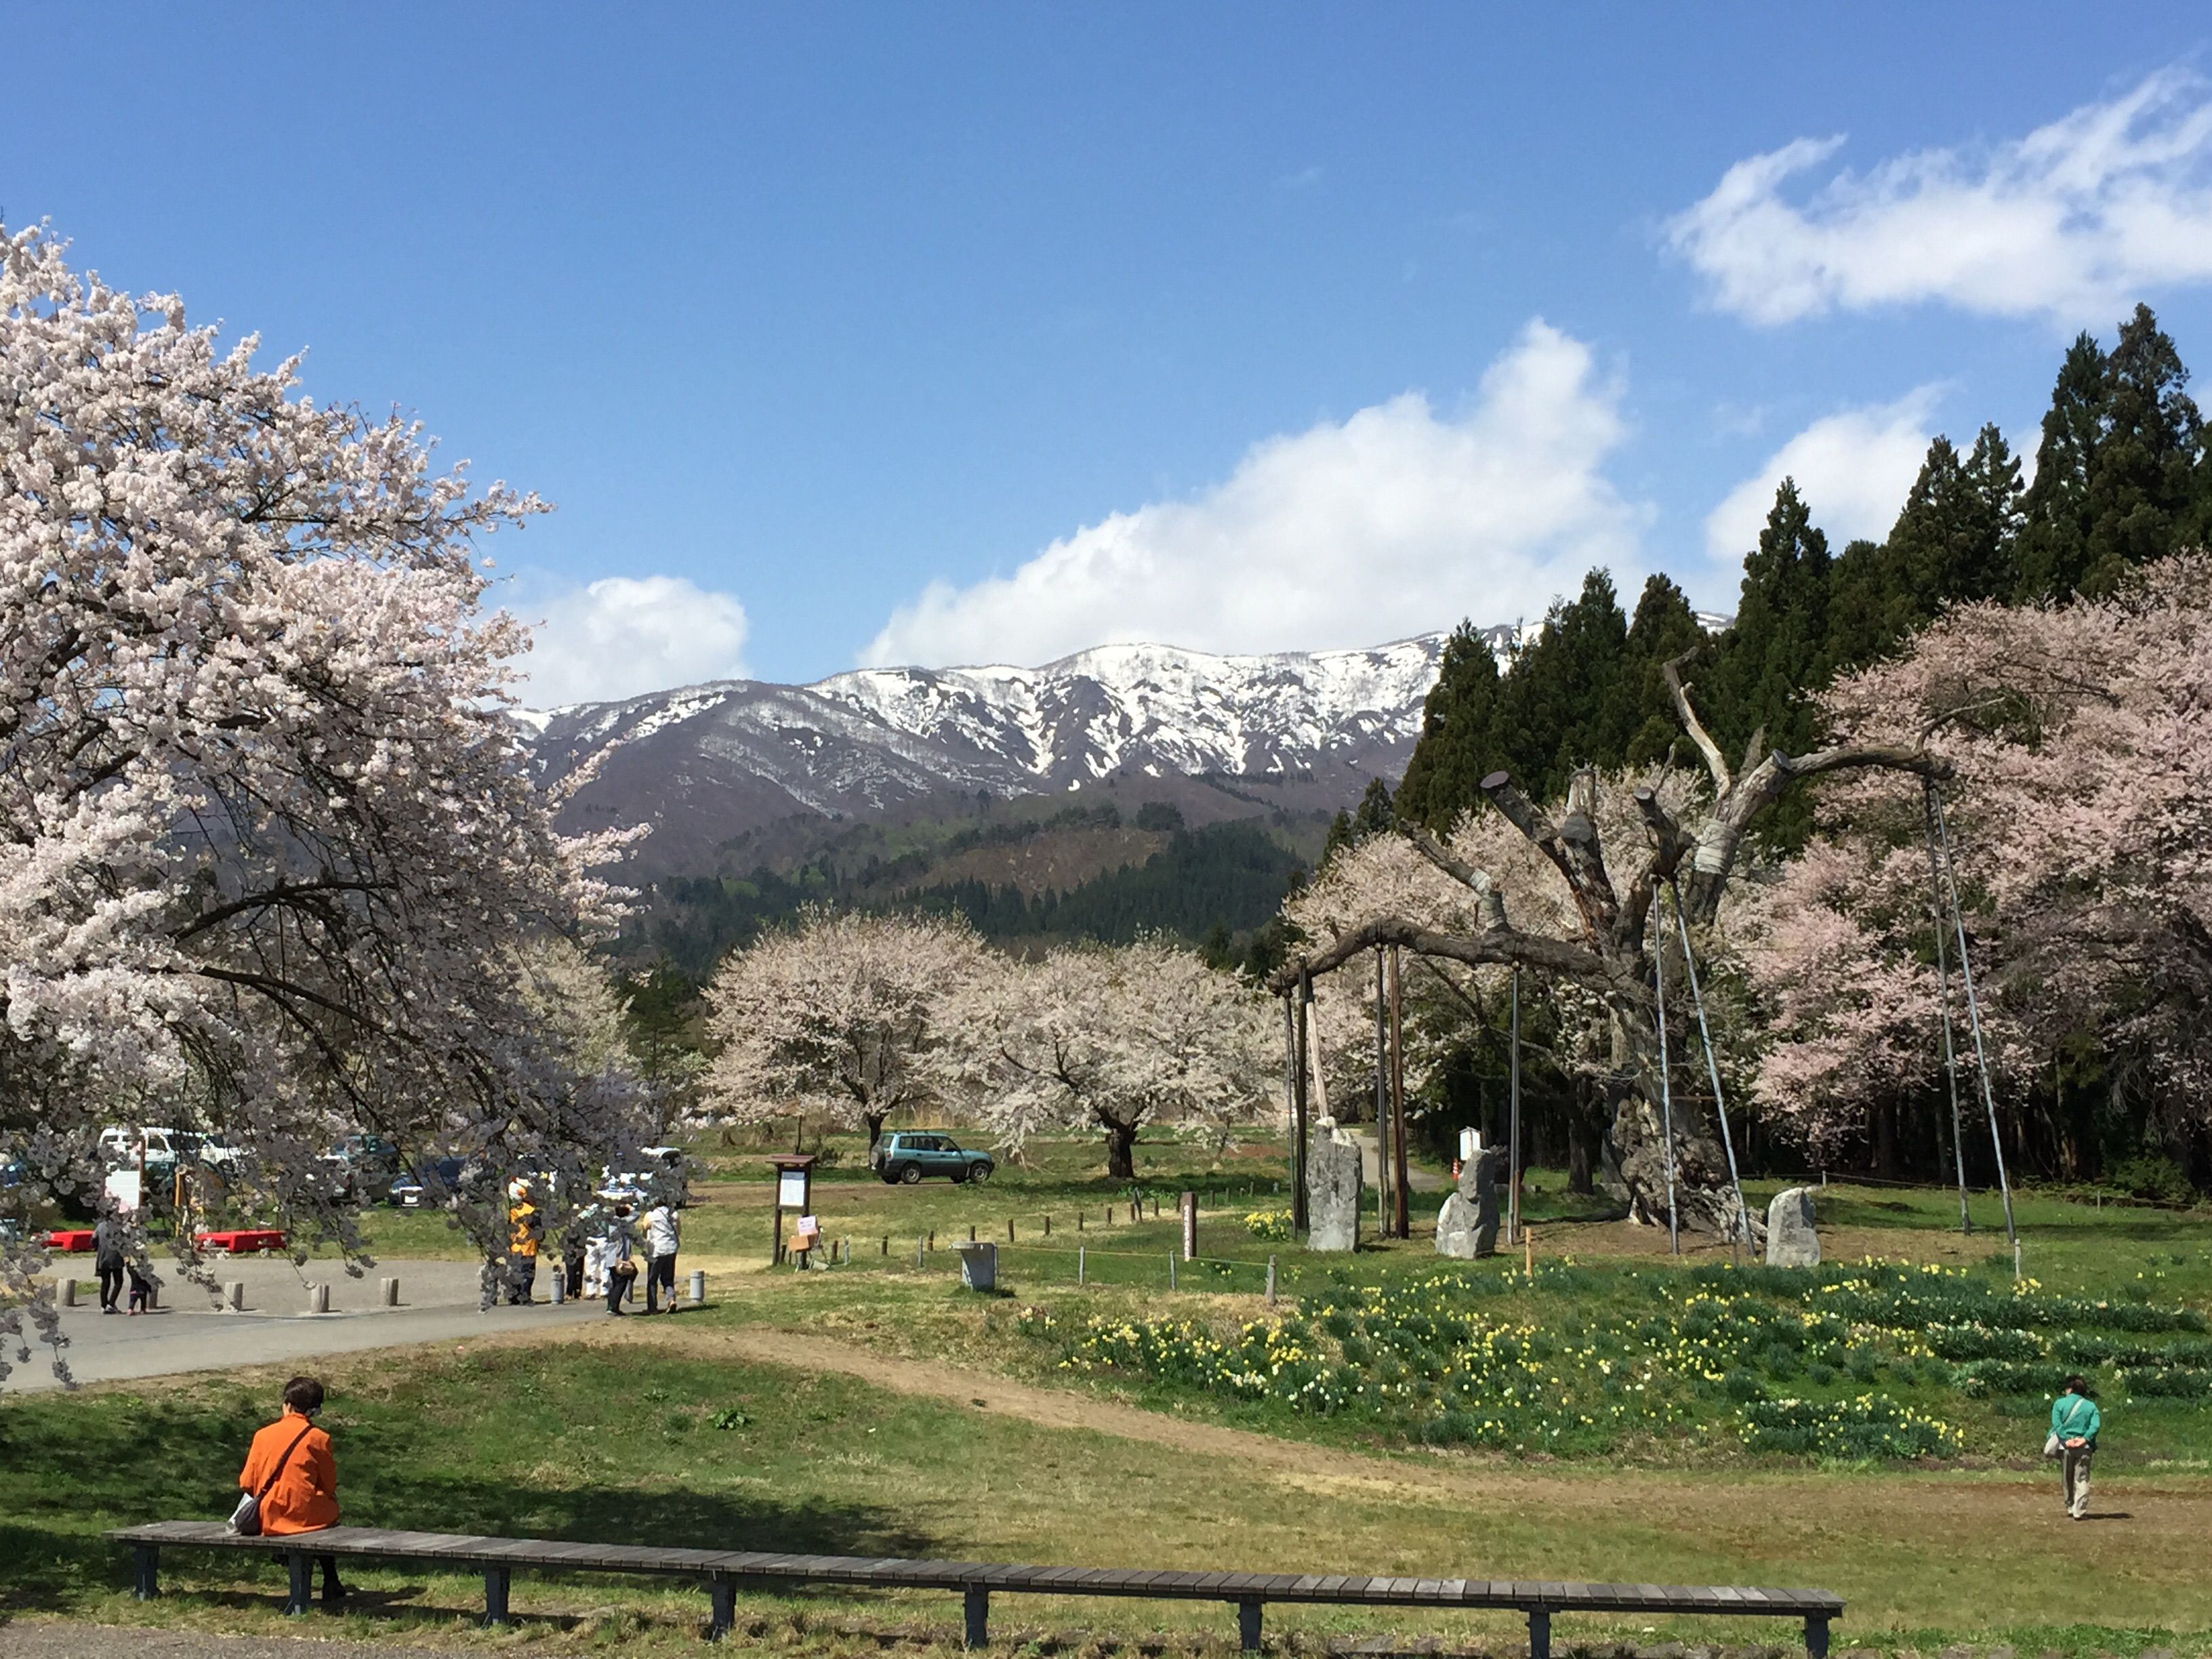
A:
{"points": [[1979, 1497]]}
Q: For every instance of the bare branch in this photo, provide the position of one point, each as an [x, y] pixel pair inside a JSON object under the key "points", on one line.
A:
{"points": [[1494, 948], [1671, 671], [1490, 901], [1585, 857]]}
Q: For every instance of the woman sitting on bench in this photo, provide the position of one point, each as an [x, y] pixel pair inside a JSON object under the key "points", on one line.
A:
{"points": [[291, 1465]]}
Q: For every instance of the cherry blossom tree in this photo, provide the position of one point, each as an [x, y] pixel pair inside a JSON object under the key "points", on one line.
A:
{"points": [[268, 841], [1116, 1038], [1587, 912], [2080, 739], [844, 1014]]}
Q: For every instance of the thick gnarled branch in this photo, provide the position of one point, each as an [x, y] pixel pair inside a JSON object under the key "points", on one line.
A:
{"points": [[1505, 947]]}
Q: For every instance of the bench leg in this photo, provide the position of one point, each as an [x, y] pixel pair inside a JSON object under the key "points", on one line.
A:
{"points": [[1248, 1624], [1540, 1633], [301, 1571], [1816, 1636], [496, 1584], [146, 1570], [724, 1591], [978, 1609]]}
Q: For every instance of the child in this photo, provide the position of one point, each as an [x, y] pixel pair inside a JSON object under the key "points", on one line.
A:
{"points": [[141, 1290]]}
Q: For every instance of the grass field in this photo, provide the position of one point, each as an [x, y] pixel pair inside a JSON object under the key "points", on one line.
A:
{"points": [[880, 1410]]}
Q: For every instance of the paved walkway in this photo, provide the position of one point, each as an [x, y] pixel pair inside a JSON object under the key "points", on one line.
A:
{"points": [[18, 1640], [190, 1332]]}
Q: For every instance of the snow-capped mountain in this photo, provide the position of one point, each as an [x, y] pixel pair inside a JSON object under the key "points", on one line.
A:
{"points": [[710, 765]]}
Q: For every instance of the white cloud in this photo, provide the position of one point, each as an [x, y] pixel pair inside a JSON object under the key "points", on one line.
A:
{"points": [[1393, 522], [2073, 222], [1853, 469], [622, 636]]}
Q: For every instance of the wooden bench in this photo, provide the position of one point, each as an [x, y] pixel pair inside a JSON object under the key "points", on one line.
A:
{"points": [[723, 1572]]}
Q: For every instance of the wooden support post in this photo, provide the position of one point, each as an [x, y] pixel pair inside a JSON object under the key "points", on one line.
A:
{"points": [[146, 1571], [1816, 1635], [495, 1587], [1401, 1179], [1010, 1230], [971, 1232], [1540, 1633], [887, 1243], [1171, 1279], [1248, 1624], [1047, 1226], [1078, 1263], [300, 1586], [1190, 1226], [723, 1591], [978, 1609], [1271, 1281]]}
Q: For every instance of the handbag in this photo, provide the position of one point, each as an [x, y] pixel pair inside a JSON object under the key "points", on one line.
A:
{"points": [[2052, 1447], [624, 1269], [246, 1519]]}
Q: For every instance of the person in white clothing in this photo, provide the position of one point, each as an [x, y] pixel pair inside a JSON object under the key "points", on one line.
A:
{"points": [[662, 1233]]}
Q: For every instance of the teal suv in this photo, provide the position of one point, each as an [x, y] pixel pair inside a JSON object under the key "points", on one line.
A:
{"points": [[906, 1157]]}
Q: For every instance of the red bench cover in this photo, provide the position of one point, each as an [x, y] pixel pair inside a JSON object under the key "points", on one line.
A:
{"points": [[78, 1241], [239, 1240]]}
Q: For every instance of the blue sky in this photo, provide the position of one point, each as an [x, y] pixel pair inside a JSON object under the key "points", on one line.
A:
{"points": [[952, 333]]}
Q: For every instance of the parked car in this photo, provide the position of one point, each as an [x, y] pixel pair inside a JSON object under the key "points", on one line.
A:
{"points": [[156, 1150], [908, 1155], [664, 1175], [432, 1186], [371, 1165]]}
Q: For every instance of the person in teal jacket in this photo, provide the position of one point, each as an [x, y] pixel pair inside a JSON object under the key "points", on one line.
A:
{"points": [[2075, 1421]]}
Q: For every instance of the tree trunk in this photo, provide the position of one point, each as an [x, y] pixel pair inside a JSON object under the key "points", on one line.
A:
{"points": [[1884, 1140], [1582, 1135], [1704, 1198], [1122, 1151], [875, 1122]]}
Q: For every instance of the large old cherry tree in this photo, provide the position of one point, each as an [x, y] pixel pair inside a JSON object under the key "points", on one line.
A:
{"points": [[1573, 892], [269, 846]]}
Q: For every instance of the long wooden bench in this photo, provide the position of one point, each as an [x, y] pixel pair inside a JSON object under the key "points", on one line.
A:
{"points": [[723, 1572]]}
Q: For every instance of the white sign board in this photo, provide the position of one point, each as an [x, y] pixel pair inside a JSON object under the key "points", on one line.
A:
{"points": [[1470, 1145], [126, 1187], [791, 1189]]}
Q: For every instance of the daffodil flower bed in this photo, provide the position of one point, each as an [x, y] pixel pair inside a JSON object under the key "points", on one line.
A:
{"points": [[1843, 1361]]}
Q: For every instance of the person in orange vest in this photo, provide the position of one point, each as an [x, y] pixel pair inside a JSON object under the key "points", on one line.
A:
{"points": [[524, 1230], [290, 1465]]}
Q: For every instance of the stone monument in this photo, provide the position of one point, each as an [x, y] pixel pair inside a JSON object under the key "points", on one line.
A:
{"points": [[1791, 1240], [1467, 1226], [1333, 1191], [979, 1266]]}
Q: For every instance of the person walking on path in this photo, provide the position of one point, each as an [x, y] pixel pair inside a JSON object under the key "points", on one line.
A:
{"points": [[142, 1289], [2075, 1421], [620, 1269], [525, 1228], [291, 1459], [109, 1243], [662, 1233]]}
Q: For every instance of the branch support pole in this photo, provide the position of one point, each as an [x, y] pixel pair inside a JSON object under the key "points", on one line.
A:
{"points": [[1667, 1091], [1943, 1001], [1743, 1232], [1513, 1123], [1974, 1024]]}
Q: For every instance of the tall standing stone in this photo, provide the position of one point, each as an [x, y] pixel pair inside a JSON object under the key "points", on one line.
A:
{"points": [[1791, 1240], [1467, 1226], [1332, 1192]]}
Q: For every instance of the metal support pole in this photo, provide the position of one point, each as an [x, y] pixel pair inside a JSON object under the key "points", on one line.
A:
{"points": [[1540, 1633], [1816, 1636], [1974, 1024], [1943, 999], [1248, 1624], [1513, 1123], [146, 1571], [1712, 1064], [1299, 1218], [1271, 1281], [977, 1607], [495, 1587], [1666, 1091]]}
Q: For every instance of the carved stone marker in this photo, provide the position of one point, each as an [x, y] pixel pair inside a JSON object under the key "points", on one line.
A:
{"points": [[1467, 1226], [1791, 1240], [1332, 1192], [979, 1266]]}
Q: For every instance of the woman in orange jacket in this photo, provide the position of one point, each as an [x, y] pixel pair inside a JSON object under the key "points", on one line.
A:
{"points": [[291, 1458]]}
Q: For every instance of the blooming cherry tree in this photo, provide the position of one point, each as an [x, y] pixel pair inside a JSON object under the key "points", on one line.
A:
{"points": [[1115, 1038], [268, 841], [844, 1014]]}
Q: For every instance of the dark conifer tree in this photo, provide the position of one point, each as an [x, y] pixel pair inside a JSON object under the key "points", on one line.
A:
{"points": [[1663, 627], [1457, 739], [2054, 537], [1556, 706], [2142, 480], [1777, 649]]}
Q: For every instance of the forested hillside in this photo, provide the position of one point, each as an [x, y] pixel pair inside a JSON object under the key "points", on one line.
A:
{"points": [[2121, 480]]}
